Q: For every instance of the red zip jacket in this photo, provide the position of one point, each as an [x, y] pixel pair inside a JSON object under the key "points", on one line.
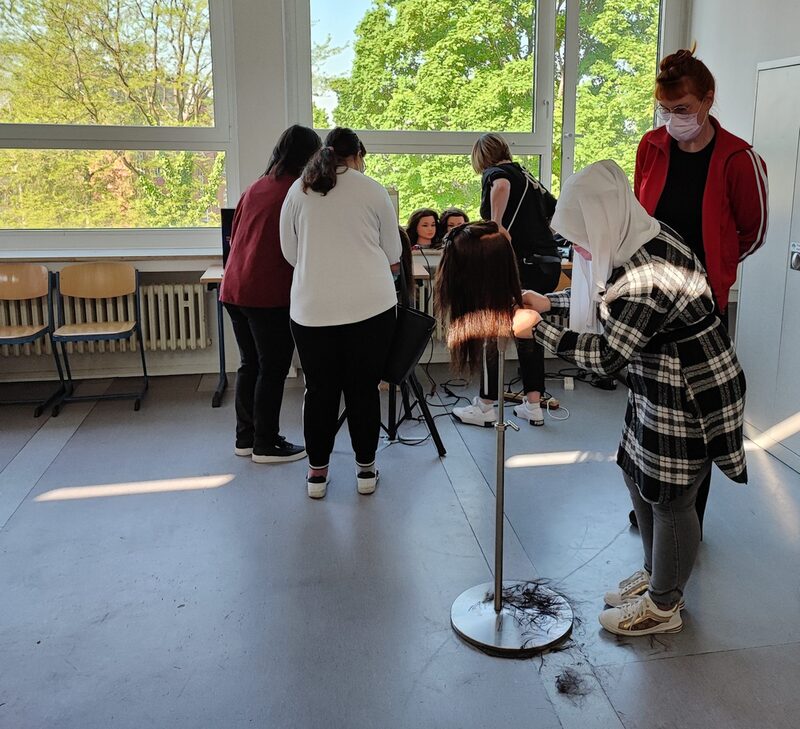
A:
{"points": [[734, 203], [257, 275]]}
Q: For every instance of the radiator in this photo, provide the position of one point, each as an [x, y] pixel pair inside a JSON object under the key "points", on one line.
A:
{"points": [[173, 319]]}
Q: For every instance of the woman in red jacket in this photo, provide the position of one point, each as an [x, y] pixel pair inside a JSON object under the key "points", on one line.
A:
{"points": [[255, 291], [702, 181]]}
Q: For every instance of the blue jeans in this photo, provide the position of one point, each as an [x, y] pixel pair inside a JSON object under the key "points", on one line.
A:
{"points": [[670, 537]]}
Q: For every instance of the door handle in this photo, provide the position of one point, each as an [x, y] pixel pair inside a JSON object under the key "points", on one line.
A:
{"points": [[794, 256]]}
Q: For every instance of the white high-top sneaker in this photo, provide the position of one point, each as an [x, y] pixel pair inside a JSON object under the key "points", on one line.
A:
{"points": [[532, 412], [479, 413]]}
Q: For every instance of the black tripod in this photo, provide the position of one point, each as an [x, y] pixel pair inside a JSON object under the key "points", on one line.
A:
{"points": [[408, 387]]}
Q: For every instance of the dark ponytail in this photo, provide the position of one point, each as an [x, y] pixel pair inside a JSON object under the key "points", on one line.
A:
{"points": [[320, 173]]}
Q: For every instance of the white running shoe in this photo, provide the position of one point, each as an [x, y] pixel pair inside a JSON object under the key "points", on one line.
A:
{"points": [[641, 616], [367, 480], [317, 486], [476, 414], [532, 412]]}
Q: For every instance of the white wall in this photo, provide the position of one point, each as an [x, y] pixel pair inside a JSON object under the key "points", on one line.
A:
{"points": [[733, 36], [260, 78]]}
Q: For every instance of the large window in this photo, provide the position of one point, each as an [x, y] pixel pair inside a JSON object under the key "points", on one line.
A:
{"points": [[109, 116], [604, 92], [568, 82], [425, 65], [419, 79]]}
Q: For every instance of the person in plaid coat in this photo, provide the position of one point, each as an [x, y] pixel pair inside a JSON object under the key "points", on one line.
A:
{"points": [[640, 299]]}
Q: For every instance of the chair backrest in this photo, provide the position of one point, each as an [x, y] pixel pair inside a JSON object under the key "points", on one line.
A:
{"points": [[20, 281], [98, 280]]}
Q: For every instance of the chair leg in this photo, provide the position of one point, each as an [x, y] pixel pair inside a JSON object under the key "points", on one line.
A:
{"points": [[69, 384], [138, 401], [59, 392]]}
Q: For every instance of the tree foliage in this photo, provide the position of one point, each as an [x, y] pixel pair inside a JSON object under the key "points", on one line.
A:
{"points": [[107, 62], [468, 65]]}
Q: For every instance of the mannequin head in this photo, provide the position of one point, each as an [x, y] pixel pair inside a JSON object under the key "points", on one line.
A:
{"points": [[451, 218], [477, 288], [423, 227]]}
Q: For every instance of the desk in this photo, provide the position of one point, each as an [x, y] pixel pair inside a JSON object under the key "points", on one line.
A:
{"points": [[419, 272], [212, 277]]}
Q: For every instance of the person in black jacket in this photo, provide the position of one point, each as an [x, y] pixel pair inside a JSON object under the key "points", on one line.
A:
{"points": [[522, 208]]}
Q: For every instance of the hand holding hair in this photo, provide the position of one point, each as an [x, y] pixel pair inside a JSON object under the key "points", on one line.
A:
{"points": [[537, 302], [525, 321]]}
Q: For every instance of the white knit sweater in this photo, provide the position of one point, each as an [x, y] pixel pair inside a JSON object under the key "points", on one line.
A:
{"points": [[341, 246]]}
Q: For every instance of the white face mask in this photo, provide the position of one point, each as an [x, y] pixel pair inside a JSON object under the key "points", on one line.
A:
{"points": [[682, 127]]}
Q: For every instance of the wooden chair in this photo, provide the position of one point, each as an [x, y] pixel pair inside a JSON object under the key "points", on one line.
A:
{"points": [[28, 282], [98, 281]]}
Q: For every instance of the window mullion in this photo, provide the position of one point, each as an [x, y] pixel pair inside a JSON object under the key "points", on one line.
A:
{"points": [[571, 51]]}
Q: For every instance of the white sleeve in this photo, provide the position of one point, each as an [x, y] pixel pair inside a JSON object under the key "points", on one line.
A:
{"points": [[288, 229], [388, 227]]}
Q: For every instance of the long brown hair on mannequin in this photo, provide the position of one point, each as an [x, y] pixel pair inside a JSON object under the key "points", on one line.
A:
{"points": [[477, 289]]}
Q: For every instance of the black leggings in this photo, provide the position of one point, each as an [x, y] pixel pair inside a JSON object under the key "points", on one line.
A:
{"points": [[344, 359], [542, 278], [266, 348]]}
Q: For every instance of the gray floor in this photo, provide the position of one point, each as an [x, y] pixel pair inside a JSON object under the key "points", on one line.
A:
{"points": [[197, 589]]}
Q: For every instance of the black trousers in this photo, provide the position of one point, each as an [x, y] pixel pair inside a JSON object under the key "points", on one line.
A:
{"points": [[343, 359], [266, 347], [543, 279]]}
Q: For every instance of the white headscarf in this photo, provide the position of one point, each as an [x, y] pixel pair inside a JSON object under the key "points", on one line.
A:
{"points": [[598, 211]]}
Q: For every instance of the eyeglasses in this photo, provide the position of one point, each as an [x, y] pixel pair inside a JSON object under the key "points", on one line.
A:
{"points": [[682, 110]]}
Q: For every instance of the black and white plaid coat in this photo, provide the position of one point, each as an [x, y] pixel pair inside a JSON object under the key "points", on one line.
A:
{"points": [[686, 397]]}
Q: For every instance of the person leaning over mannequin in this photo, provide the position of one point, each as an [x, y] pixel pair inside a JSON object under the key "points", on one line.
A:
{"points": [[706, 184], [522, 207], [648, 292], [255, 291], [339, 231]]}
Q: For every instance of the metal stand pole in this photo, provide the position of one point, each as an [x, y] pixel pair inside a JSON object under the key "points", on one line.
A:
{"points": [[513, 618]]}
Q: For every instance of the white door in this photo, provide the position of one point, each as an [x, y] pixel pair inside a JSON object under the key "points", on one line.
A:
{"points": [[767, 330], [787, 400]]}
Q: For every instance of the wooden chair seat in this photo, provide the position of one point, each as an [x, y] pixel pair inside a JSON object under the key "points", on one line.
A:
{"points": [[21, 331], [95, 329]]}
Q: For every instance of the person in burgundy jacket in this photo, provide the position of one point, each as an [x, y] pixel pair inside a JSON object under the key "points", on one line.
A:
{"points": [[702, 181], [255, 291]]}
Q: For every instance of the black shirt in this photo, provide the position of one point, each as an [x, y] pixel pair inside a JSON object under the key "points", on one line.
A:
{"points": [[530, 232], [681, 203]]}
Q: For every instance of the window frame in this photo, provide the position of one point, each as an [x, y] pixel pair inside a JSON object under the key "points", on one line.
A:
{"points": [[674, 20], [217, 138], [297, 30]]}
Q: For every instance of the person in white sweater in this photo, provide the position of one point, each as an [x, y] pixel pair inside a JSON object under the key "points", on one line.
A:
{"points": [[339, 230]]}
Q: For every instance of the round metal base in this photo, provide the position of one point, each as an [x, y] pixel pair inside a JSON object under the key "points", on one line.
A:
{"points": [[533, 618]]}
